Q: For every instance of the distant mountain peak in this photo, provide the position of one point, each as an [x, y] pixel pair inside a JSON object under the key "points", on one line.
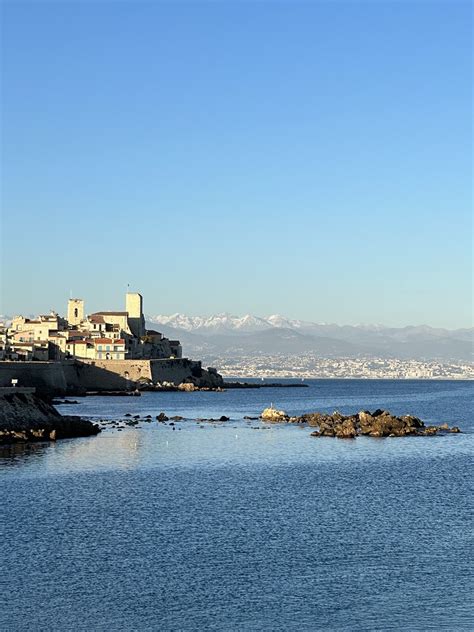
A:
{"points": [[278, 334]]}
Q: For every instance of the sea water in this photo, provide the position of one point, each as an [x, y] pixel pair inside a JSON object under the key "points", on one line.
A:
{"points": [[243, 525]]}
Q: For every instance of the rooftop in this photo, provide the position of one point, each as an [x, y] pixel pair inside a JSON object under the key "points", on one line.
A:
{"points": [[109, 314]]}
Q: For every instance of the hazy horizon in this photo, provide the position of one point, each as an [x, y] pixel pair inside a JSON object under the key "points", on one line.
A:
{"points": [[306, 159]]}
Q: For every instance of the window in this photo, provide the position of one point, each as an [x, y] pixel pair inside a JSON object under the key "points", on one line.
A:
{"points": [[99, 347], [117, 356], [75, 312], [107, 348], [99, 355]]}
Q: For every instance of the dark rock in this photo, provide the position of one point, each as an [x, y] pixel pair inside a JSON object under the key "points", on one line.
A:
{"points": [[162, 417], [26, 417], [346, 429], [224, 418], [380, 423]]}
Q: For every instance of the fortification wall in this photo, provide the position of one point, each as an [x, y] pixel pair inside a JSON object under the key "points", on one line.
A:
{"points": [[69, 376], [177, 370], [124, 374], [46, 377], [97, 375]]}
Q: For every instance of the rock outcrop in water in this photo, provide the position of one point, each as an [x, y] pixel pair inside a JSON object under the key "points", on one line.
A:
{"points": [[273, 415], [380, 423], [26, 417]]}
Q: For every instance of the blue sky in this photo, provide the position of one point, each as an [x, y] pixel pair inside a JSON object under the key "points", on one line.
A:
{"points": [[311, 159]]}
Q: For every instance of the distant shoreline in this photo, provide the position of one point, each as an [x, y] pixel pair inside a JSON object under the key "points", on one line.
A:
{"points": [[350, 377]]}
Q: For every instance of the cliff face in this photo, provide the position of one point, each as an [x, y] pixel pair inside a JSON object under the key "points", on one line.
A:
{"points": [[26, 417]]}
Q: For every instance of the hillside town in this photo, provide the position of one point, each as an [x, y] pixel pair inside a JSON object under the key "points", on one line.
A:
{"points": [[105, 335]]}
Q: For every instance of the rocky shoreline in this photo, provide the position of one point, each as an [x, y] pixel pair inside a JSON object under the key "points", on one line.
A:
{"points": [[379, 423], [25, 417], [191, 387]]}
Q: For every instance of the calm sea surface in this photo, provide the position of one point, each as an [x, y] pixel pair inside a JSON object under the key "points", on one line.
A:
{"points": [[237, 526]]}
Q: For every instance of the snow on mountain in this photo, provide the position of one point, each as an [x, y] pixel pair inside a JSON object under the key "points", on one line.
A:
{"points": [[212, 324], [228, 336], [275, 320], [228, 323]]}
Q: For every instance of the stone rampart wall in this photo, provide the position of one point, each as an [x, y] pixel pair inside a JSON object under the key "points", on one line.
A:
{"points": [[46, 377], [69, 376]]}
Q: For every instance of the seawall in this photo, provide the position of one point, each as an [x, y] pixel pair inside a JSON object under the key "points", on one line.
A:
{"points": [[49, 378], [73, 376]]}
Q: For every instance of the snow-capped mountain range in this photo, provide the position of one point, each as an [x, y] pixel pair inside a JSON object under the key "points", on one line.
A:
{"points": [[227, 323], [230, 336], [224, 322]]}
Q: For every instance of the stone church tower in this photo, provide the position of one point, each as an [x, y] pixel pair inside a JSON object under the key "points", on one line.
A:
{"points": [[75, 311]]}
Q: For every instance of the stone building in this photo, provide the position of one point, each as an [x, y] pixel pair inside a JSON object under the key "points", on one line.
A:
{"points": [[75, 311], [105, 335]]}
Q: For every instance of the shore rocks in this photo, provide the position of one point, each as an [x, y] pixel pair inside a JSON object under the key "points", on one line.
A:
{"points": [[379, 423], [187, 387], [273, 415], [211, 419], [26, 417]]}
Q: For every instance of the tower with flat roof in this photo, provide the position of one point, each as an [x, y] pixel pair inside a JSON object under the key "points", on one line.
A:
{"points": [[134, 307]]}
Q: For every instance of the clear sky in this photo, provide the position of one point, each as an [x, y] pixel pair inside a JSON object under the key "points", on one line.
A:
{"points": [[310, 159]]}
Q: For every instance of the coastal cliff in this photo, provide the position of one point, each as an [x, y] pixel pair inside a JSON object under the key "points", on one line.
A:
{"points": [[26, 417]]}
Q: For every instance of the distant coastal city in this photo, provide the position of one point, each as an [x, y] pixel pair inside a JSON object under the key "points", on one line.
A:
{"points": [[310, 366]]}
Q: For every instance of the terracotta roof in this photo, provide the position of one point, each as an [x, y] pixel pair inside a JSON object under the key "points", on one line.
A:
{"points": [[99, 341], [96, 318], [110, 314], [75, 333]]}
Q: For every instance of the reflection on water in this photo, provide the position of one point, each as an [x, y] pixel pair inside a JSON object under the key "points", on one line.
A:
{"points": [[238, 441], [20, 451]]}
